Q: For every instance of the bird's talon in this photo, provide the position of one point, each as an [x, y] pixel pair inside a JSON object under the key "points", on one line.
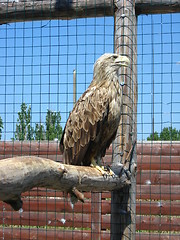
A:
{"points": [[105, 175]]}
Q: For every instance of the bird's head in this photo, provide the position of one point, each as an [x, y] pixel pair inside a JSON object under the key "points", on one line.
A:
{"points": [[109, 63]]}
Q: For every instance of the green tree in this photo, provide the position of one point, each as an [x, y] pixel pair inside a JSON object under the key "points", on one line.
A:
{"points": [[39, 132], [53, 127], [1, 127], [155, 138], [24, 130], [167, 134], [170, 134]]}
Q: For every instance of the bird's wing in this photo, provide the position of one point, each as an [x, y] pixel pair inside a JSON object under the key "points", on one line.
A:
{"points": [[84, 124]]}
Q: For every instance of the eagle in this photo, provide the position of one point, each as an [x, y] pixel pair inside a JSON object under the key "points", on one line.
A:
{"points": [[92, 124]]}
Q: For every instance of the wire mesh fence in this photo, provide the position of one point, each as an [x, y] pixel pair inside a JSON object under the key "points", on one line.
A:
{"points": [[158, 72], [158, 123], [37, 63]]}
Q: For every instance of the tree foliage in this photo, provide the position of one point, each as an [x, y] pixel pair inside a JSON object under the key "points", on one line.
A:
{"points": [[25, 131], [167, 134], [170, 134], [155, 138], [53, 127], [39, 132]]}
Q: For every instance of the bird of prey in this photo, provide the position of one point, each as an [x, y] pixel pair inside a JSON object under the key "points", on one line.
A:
{"points": [[93, 122]]}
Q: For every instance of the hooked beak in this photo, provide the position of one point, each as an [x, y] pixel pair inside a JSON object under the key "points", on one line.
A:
{"points": [[122, 61]]}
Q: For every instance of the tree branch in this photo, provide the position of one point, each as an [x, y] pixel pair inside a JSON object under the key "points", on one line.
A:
{"points": [[21, 174]]}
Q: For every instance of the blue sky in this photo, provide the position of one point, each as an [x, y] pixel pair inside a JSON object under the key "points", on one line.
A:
{"points": [[37, 60], [159, 34]]}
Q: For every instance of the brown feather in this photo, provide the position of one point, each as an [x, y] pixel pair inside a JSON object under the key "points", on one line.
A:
{"points": [[94, 120]]}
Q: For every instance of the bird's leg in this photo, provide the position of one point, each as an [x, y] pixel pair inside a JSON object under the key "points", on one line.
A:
{"points": [[95, 165], [101, 169]]}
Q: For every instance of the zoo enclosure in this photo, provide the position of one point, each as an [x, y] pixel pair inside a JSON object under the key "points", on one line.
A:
{"points": [[102, 8], [47, 216]]}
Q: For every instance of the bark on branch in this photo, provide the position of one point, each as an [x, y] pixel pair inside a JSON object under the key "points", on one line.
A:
{"points": [[21, 174]]}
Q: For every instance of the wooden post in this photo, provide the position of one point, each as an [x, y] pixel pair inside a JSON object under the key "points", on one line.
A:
{"points": [[27, 10], [74, 87], [96, 215], [123, 207]]}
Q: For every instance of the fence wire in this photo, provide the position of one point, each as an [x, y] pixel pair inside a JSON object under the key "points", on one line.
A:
{"points": [[158, 127], [37, 63]]}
